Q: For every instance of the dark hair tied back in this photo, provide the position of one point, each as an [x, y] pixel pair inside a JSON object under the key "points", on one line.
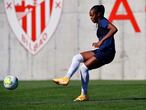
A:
{"points": [[99, 9]]}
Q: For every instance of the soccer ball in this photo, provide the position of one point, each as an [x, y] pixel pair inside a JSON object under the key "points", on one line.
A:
{"points": [[10, 82]]}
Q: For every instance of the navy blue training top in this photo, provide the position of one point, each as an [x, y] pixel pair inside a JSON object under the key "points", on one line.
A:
{"points": [[101, 32]]}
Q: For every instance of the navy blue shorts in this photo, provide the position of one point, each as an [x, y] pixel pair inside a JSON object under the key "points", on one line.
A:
{"points": [[105, 56]]}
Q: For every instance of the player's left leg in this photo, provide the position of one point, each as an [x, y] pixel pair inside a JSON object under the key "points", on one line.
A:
{"points": [[91, 63], [84, 79]]}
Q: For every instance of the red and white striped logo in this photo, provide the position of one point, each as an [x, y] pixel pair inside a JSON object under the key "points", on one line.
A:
{"points": [[33, 21]]}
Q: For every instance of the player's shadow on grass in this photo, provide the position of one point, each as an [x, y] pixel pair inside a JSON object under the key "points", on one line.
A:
{"points": [[120, 99]]}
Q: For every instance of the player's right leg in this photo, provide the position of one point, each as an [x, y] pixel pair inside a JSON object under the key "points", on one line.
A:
{"points": [[77, 59], [61, 81]]}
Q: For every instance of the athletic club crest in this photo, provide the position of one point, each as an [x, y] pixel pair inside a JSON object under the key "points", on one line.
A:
{"points": [[33, 21]]}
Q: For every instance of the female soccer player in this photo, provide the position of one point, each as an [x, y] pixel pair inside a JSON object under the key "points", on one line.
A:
{"points": [[103, 54]]}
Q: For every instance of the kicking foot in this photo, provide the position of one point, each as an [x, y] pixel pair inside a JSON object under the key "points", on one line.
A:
{"points": [[61, 81], [82, 98]]}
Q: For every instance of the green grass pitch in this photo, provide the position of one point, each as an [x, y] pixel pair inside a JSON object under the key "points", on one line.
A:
{"points": [[45, 95]]}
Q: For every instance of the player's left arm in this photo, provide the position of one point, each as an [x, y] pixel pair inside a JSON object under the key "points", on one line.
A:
{"points": [[112, 30]]}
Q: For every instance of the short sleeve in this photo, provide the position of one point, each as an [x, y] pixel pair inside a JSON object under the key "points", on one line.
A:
{"points": [[103, 23]]}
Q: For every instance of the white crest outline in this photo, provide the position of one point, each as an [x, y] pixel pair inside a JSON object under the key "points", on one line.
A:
{"points": [[31, 46]]}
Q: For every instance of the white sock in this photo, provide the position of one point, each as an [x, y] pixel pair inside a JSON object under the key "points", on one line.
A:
{"points": [[84, 78], [77, 59]]}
